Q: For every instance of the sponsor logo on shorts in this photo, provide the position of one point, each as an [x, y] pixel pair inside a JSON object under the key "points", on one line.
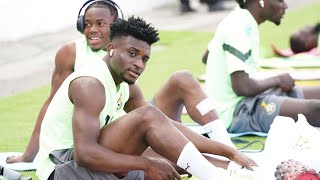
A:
{"points": [[269, 108]]}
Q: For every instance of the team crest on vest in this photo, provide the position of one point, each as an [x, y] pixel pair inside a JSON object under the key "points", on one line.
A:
{"points": [[119, 102], [269, 108], [248, 30]]}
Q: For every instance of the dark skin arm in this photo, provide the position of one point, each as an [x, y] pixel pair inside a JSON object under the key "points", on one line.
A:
{"points": [[86, 129], [243, 85], [64, 64], [136, 98], [206, 145], [88, 97]]}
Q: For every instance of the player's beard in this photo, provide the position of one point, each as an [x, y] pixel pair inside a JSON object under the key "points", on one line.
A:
{"points": [[126, 80], [278, 22]]}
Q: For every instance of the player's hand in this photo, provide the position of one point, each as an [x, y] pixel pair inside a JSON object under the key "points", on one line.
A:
{"points": [[286, 82], [244, 160], [15, 159], [161, 169]]}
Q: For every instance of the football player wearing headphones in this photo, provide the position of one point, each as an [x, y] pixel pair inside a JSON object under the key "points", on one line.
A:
{"points": [[95, 25], [182, 89]]}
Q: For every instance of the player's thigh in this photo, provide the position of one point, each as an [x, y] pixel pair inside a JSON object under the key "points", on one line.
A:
{"points": [[311, 92], [125, 134], [293, 106]]}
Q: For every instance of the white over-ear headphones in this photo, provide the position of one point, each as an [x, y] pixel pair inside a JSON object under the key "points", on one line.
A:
{"points": [[261, 3], [111, 52]]}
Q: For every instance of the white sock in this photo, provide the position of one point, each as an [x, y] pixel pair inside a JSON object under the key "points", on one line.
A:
{"points": [[217, 131], [193, 161], [233, 166]]}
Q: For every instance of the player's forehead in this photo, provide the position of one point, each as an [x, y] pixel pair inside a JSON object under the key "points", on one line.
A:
{"points": [[98, 11]]}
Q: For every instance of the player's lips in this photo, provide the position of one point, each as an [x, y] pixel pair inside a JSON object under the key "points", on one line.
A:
{"points": [[134, 74], [94, 39]]}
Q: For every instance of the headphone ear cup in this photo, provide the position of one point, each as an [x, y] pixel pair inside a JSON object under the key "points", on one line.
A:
{"points": [[80, 24], [261, 3], [80, 20]]}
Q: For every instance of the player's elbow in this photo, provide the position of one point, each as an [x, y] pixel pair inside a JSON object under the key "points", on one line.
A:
{"points": [[239, 92], [82, 156], [242, 85], [244, 90]]}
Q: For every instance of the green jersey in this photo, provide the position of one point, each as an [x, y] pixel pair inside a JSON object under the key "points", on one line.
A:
{"points": [[85, 55], [235, 47], [56, 128]]}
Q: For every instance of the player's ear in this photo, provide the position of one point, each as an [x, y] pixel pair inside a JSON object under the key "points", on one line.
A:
{"points": [[110, 49]]}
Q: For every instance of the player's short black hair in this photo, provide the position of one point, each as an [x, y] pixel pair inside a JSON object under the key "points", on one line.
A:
{"points": [[135, 27], [103, 4], [296, 43], [242, 3]]}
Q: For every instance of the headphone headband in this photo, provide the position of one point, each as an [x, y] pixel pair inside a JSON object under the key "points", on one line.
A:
{"points": [[80, 20], [110, 2]]}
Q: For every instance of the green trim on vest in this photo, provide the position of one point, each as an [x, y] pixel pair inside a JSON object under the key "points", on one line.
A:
{"points": [[236, 52]]}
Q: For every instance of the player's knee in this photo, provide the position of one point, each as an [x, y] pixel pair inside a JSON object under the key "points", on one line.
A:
{"points": [[152, 116], [182, 75], [149, 112], [183, 79]]}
